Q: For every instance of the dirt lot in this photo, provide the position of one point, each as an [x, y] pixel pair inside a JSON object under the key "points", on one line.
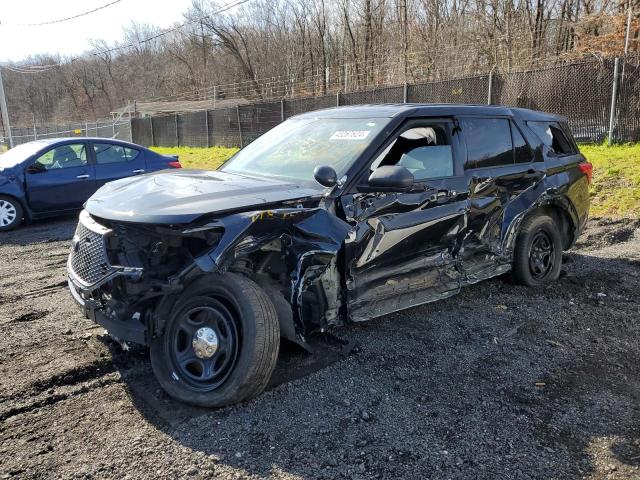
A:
{"points": [[499, 382]]}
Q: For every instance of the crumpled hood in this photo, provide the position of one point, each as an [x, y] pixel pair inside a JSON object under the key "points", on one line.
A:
{"points": [[182, 196]]}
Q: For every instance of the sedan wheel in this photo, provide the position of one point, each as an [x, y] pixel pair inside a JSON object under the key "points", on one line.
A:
{"points": [[10, 213]]}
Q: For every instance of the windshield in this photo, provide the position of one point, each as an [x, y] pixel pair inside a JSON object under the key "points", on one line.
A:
{"points": [[19, 154], [294, 148]]}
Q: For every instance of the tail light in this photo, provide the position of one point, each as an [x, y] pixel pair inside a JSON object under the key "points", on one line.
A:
{"points": [[175, 164], [587, 169]]}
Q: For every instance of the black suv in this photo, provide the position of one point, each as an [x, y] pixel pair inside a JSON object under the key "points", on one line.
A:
{"points": [[334, 216]]}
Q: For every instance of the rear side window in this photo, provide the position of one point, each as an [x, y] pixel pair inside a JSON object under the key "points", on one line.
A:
{"points": [[488, 142], [108, 153], [552, 136]]}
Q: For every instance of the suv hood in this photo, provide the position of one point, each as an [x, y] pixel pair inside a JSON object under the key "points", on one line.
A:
{"points": [[181, 197]]}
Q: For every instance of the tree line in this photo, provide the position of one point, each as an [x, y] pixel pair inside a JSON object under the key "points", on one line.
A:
{"points": [[273, 48]]}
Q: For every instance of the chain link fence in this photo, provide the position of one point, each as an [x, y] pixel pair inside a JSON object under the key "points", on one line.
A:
{"points": [[121, 130], [582, 92], [599, 97]]}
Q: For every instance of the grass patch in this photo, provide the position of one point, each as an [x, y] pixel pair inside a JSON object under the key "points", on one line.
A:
{"points": [[615, 191], [199, 158]]}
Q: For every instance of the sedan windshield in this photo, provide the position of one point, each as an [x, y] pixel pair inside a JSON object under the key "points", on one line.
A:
{"points": [[294, 148], [19, 154]]}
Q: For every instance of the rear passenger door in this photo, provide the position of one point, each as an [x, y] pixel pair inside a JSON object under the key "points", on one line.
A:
{"points": [[114, 161], [500, 172]]}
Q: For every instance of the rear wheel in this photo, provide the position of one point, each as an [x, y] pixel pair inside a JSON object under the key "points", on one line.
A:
{"points": [[220, 344], [538, 254], [10, 213]]}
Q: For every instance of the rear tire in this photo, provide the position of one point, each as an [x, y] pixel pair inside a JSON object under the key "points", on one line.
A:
{"points": [[10, 213], [220, 344], [538, 254]]}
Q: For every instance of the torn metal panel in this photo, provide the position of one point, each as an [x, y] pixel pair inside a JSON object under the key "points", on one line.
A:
{"points": [[402, 252]]}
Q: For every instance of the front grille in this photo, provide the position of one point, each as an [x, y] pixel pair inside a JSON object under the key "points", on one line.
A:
{"points": [[88, 260]]}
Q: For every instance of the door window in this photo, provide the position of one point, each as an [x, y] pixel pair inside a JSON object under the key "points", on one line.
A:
{"points": [[64, 156], [107, 153], [424, 151], [488, 142]]}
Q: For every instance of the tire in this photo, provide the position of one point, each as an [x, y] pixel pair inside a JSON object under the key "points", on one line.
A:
{"points": [[538, 254], [10, 213], [233, 365]]}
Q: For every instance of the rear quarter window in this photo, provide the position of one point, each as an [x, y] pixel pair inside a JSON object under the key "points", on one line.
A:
{"points": [[553, 136]]}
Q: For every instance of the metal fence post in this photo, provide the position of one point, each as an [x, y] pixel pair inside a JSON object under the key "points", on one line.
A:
{"points": [[405, 93], [86, 127], [5, 113], [489, 99], [177, 133], [282, 110], [153, 140], [239, 126], [338, 99], [35, 132], [206, 126], [614, 95]]}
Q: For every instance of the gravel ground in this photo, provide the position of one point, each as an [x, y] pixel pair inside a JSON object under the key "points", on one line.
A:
{"points": [[501, 381]]}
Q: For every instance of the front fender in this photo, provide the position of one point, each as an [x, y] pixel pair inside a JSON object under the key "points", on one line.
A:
{"points": [[310, 239], [11, 185]]}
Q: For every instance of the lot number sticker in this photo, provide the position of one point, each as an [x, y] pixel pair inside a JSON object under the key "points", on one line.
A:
{"points": [[350, 135]]}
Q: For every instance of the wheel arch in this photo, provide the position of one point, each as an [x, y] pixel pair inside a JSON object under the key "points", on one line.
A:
{"points": [[563, 213]]}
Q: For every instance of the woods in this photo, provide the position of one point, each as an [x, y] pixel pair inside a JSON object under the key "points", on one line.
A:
{"points": [[288, 48]]}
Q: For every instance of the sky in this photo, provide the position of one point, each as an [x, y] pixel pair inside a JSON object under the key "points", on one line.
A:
{"points": [[69, 38]]}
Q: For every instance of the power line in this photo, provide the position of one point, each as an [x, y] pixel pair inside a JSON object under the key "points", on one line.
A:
{"points": [[222, 9], [73, 17], [43, 68]]}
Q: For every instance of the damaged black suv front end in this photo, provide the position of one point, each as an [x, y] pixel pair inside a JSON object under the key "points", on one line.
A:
{"points": [[117, 271]]}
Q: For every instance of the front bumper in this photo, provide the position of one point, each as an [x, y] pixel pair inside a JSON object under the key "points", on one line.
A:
{"points": [[129, 330], [88, 269]]}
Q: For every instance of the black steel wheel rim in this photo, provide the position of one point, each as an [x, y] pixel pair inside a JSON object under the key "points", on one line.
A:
{"points": [[204, 374], [541, 255]]}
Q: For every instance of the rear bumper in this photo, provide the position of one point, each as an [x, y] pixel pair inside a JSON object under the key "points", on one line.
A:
{"points": [[129, 330]]}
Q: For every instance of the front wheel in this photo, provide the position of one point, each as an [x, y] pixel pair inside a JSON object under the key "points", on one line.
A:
{"points": [[220, 344], [538, 253], [10, 213]]}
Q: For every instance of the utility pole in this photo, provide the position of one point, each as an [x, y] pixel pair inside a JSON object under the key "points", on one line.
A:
{"points": [[626, 36], [5, 112]]}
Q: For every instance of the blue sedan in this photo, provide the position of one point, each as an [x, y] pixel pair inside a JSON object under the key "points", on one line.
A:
{"points": [[52, 177]]}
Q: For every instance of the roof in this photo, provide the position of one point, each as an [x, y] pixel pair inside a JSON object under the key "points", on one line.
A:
{"points": [[179, 106], [50, 141], [389, 110]]}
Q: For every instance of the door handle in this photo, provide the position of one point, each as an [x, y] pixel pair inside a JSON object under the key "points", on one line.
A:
{"points": [[137, 171], [82, 177]]}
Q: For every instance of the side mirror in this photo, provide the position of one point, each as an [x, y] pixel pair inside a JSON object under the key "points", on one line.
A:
{"points": [[325, 175], [36, 168], [390, 178]]}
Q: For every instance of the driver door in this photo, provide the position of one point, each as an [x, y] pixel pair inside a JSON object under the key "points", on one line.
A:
{"points": [[60, 179], [403, 249]]}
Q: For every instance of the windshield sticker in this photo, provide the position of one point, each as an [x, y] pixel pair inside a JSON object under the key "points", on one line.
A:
{"points": [[350, 135]]}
